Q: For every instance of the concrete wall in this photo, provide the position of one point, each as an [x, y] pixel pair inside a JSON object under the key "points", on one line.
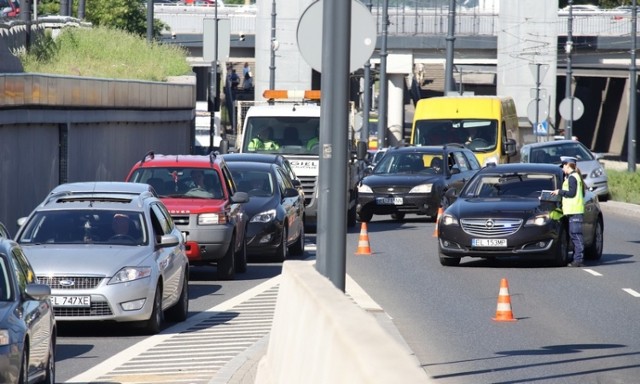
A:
{"points": [[56, 129], [320, 336]]}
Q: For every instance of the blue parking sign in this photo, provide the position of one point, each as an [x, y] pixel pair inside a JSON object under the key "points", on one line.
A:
{"points": [[542, 128]]}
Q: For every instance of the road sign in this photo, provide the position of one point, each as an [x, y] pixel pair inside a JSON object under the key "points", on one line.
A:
{"points": [[209, 39], [542, 110], [363, 35], [542, 129], [566, 105]]}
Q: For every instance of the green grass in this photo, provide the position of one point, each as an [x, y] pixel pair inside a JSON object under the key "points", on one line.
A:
{"points": [[624, 186], [105, 53]]}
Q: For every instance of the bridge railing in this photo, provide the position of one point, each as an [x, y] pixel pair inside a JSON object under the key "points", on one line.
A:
{"points": [[403, 21]]}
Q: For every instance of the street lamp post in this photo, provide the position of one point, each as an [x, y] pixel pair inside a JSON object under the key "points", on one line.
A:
{"points": [[214, 103], [631, 148], [568, 132], [274, 47]]}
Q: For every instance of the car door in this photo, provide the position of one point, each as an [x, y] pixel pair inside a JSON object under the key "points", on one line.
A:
{"points": [[457, 160], [291, 205], [169, 260], [37, 314], [236, 210]]}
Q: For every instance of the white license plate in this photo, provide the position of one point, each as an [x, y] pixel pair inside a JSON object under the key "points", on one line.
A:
{"points": [[389, 201], [489, 242], [71, 301]]}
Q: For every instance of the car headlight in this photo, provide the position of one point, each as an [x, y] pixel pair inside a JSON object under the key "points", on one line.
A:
{"points": [[127, 274], [212, 218], [264, 217], [449, 219], [422, 188], [597, 172], [4, 337], [363, 188], [538, 220]]}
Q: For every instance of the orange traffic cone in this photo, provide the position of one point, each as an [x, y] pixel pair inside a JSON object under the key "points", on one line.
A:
{"points": [[363, 241], [435, 230], [503, 311]]}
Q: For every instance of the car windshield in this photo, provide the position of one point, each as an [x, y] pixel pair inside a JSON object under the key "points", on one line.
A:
{"points": [[509, 185], [291, 135], [5, 279], [409, 163], [84, 226], [255, 183], [552, 153], [181, 182], [477, 135]]}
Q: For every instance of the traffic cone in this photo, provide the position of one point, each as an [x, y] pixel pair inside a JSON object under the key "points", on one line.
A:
{"points": [[503, 311], [435, 230], [363, 241]]}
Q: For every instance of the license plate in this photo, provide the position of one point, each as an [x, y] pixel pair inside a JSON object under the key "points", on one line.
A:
{"points": [[489, 242], [389, 201], [71, 301]]}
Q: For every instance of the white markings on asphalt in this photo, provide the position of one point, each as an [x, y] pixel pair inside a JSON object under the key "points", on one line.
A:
{"points": [[631, 292], [591, 271], [195, 350]]}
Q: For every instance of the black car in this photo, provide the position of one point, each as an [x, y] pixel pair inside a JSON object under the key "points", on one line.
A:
{"points": [[506, 210], [275, 209], [267, 158], [414, 180]]}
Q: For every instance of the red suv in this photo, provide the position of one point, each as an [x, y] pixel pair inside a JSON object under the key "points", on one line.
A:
{"points": [[205, 205]]}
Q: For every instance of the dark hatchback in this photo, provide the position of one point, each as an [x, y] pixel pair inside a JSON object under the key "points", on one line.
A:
{"points": [[275, 209], [506, 211], [414, 180]]}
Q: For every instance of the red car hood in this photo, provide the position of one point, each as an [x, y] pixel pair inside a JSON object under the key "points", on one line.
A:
{"points": [[183, 206]]}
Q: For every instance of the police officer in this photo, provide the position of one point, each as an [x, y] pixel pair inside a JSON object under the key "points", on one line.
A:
{"points": [[572, 194]]}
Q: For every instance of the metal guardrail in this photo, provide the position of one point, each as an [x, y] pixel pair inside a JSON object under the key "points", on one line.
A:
{"points": [[402, 21]]}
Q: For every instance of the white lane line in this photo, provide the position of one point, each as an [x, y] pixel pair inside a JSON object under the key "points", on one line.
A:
{"points": [[591, 271], [631, 292], [119, 359]]}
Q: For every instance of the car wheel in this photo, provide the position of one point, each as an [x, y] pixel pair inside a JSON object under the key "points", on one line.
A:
{"points": [[562, 248], [594, 251], [449, 261], [365, 216], [397, 216], [50, 378], [282, 250], [226, 265], [298, 247], [241, 257], [351, 215], [180, 310], [157, 315]]}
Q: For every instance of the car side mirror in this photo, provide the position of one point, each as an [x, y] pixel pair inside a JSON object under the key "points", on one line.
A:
{"points": [[510, 147], [240, 197], [291, 192], [296, 183], [224, 146], [361, 150]]}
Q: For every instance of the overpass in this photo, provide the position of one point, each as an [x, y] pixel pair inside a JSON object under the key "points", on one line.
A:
{"points": [[599, 60]]}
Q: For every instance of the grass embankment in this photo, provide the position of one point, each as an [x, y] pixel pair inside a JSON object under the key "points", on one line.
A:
{"points": [[105, 53], [624, 186]]}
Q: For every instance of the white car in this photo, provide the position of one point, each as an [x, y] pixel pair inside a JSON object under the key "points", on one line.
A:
{"points": [[592, 171], [109, 251]]}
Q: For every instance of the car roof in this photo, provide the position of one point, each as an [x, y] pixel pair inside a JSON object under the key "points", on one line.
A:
{"points": [[522, 167], [553, 143], [426, 148], [254, 157], [118, 193], [251, 165], [152, 159]]}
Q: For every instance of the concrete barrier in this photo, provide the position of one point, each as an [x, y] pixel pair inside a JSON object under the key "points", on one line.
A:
{"points": [[319, 336]]}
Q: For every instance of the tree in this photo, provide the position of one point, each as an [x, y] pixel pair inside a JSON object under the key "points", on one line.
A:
{"points": [[127, 15]]}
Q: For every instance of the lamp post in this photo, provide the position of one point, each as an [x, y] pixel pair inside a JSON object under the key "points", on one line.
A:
{"points": [[568, 132], [384, 92], [631, 147], [274, 47], [214, 103], [448, 71]]}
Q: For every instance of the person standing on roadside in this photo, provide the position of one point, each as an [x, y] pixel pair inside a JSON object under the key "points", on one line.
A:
{"points": [[572, 194]]}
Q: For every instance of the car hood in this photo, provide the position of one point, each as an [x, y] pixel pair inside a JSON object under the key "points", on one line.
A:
{"points": [[184, 205], [259, 204], [85, 259], [507, 207], [399, 179]]}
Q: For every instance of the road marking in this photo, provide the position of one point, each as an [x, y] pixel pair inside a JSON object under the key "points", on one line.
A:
{"points": [[591, 271], [631, 292], [195, 350]]}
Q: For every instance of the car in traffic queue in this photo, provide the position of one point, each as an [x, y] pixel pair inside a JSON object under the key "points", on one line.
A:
{"points": [[205, 204], [414, 180], [275, 209], [592, 171], [506, 211], [28, 328], [110, 252]]}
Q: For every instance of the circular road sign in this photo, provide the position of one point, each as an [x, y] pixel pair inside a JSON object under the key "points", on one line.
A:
{"points": [[566, 105], [363, 35], [543, 111]]}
